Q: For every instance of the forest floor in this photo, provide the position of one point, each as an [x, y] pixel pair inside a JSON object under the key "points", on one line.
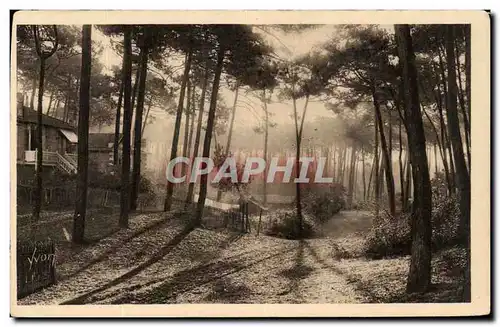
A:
{"points": [[162, 260]]}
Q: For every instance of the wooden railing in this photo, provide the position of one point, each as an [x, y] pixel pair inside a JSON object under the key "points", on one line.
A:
{"points": [[72, 157], [48, 157], [65, 164]]}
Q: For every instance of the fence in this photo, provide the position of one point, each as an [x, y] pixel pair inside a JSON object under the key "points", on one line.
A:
{"points": [[35, 266]]}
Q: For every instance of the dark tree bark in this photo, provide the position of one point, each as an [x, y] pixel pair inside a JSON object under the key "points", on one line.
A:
{"points": [[39, 148], [401, 170], [463, 178], [419, 276], [117, 125], [127, 122], [83, 136], [441, 151], [175, 141], [189, 197], [352, 165], [408, 181], [75, 108], [136, 165], [446, 142], [376, 170], [344, 165], [468, 71], [298, 141], [186, 123], [210, 126], [51, 99], [134, 96], [266, 136], [43, 56], [191, 128], [463, 109], [334, 163], [33, 92], [363, 173], [145, 120], [389, 177], [368, 189], [230, 132]]}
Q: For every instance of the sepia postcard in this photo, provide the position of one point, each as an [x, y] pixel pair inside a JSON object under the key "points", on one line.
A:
{"points": [[250, 164]]}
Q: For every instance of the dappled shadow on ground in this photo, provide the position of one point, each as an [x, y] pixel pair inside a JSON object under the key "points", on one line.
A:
{"points": [[190, 279], [200, 246], [155, 258], [90, 259], [225, 291], [296, 273]]}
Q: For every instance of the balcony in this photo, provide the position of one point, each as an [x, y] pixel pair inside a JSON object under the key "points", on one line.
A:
{"points": [[66, 162], [49, 158]]}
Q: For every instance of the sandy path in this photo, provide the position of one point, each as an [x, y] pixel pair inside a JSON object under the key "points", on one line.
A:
{"points": [[247, 269]]}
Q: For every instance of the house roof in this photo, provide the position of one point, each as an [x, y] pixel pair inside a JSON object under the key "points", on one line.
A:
{"points": [[30, 116], [101, 141]]}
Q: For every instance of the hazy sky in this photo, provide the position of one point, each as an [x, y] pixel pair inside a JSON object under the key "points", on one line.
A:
{"points": [[286, 45]]}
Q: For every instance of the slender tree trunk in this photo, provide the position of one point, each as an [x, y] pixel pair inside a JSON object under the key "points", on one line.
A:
{"points": [[136, 168], [134, 97], [352, 165], [145, 121], [376, 170], [368, 193], [39, 139], [389, 177], [208, 135], [443, 127], [344, 166], [298, 141], [33, 92], [339, 165], [191, 128], [117, 125], [401, 171], [127, 122], [266, 136], [56, 108], [467, 73], [408, 181], [380, 184], [463, 108], [334, 163], [230, 132], [435, 160], [441, 151], [67, 102], [75, 108], [463, 179], [186, 124], [419, 276], [363, 172], [175, 141], [189, 197], [83, 135], [51, 99], [450, 179]]}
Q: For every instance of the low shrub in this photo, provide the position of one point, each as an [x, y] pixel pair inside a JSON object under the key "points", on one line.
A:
{"points": [[284, 224], [391, 236], [388, 236], [323, 202]]}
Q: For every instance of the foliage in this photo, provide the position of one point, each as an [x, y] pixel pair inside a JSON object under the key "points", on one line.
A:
{"points": [[324, 201], [284, 224], [111, 179], [226, 184], [391, 235]]}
